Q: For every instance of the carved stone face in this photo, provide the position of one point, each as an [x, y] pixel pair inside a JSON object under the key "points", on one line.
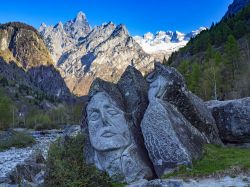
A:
{"points": [[108, 129], [157, 87]]}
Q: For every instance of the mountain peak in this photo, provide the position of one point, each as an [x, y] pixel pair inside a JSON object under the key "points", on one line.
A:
{"points": [[59, 26], [148, 36], [42, 27], [80, 16], [120, 30]]}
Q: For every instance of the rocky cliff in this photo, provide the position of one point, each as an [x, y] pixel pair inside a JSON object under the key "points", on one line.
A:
{"points": [[103, 52], [25, 60]]}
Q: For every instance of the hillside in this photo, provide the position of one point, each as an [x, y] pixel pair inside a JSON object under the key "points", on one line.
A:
{"points": [[30, 85], [216, 62]]}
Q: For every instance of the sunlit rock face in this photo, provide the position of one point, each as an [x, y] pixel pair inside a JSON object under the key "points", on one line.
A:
{"points": [[169, 138], [173, 89], [114, 148]]}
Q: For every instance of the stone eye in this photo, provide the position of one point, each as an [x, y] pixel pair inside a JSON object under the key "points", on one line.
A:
{"points": [[94, 116], [112, 111]]}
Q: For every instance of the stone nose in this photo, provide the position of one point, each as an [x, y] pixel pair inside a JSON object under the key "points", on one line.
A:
{"points": [[104, 119]]}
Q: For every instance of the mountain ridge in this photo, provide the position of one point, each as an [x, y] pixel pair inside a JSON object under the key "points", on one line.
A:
{"points": [[164, 43], [102, 51]]}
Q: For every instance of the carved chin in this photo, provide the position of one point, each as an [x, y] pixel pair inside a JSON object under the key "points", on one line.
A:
{"points": [[110, 143]]}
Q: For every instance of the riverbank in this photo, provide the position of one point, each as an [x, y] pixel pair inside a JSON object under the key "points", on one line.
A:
{"points": [[12, 157]]}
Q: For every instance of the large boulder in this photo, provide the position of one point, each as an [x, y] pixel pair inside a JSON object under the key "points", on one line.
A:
{"points": [[30, 171], [174, 90], [169, 138], [134, 89], [111, 142], [233, 119]]}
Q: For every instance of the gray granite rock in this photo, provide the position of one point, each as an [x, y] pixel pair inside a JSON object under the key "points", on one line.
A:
{"points": [[134, 89], [113, 146], [157, 183], [169, 138], [169, 85], [233, 119], [29, 170]]}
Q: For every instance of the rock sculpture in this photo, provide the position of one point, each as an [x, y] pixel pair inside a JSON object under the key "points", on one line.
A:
{"points": [[110, 137], [172, 88], [139, 128], [169, 138]]}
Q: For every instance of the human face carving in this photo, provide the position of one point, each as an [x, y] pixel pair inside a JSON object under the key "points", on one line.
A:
{"points": [[157, 87], [108, 128]]}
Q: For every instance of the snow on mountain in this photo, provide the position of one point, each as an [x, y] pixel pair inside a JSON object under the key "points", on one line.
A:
{"points": [[165, 43]]}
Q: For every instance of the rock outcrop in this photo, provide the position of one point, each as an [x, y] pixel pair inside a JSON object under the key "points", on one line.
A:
{"points": [[25, 60], [233, 119], [174, 90], [24, 44], [115, 149], [134, 89], [169, 138], [130, 126]]}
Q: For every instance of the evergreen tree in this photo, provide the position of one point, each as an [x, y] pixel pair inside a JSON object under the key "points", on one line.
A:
{"points": [[232, 55], [5, 111], [195, 77]]}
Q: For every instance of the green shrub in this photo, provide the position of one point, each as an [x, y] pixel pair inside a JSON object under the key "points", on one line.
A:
{"points": [[16, 139], [5, 111], [66, 166], [216, 159], [40, 121]]}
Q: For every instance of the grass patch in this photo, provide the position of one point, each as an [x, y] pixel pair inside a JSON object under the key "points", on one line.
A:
{"points": [[16, 139], [216, 159], [66, 166]]}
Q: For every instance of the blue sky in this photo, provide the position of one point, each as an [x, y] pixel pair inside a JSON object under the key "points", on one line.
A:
{"points": [[139, 16]]}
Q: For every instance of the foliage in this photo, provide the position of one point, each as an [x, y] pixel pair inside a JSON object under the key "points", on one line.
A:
{"points": [[215, 64], [5, 111], [16, 139], [66, 166], [216, 159], [218, 34]]}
